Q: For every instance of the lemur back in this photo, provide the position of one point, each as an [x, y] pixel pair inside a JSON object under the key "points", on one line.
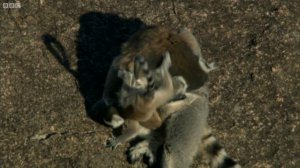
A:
{"points": [[184, 131]]}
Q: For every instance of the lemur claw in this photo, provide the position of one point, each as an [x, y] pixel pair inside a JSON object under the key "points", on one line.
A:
{"points": [[112, 143]]}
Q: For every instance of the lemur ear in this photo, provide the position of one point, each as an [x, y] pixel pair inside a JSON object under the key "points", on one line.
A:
{"points": [[166, 60]]}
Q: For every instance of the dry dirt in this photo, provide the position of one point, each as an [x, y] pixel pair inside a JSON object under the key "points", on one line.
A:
{"points": [[54, 58]]}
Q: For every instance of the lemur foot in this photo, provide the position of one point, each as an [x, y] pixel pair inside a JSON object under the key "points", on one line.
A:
{"points": [[113, 143], [138, 151], [115, 122], [180, 87]]}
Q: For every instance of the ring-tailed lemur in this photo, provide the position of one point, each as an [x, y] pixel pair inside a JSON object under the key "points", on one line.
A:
{"points": [[184, 50], [183, 135], [153, 43], [140, 96]]}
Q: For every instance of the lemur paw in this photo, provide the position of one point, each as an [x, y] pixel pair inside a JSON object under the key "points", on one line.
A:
{"points": [[113, 143], [134, 155], [136, 152], [180, 87], [151, 158], [115, 122], [181, 83], [206, 67]]}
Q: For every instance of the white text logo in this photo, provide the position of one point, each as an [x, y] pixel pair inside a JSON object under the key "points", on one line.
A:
{"points": [[16, 5]]}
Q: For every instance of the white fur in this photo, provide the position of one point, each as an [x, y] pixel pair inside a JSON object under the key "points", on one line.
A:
{"points": [[116, 121], [141, 149]]}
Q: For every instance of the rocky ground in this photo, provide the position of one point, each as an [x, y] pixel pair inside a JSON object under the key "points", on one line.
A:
{"points": [[54, 57]]}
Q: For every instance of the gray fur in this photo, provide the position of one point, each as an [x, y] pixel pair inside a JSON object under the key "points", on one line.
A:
{"points": [[192, 42], [181, 133], [184, 131]]}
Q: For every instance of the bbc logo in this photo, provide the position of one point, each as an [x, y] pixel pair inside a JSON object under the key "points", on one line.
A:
{"points": [[16, 5]]}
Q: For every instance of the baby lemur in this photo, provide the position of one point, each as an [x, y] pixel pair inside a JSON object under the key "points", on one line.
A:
{"points": [[183, 135], [139, 103]]}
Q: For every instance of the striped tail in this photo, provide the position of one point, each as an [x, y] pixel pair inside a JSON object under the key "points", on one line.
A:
{"points": [[216, 153]]}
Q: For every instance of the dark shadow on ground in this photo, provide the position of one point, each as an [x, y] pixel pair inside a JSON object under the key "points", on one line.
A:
{"points": [[99, 41]]}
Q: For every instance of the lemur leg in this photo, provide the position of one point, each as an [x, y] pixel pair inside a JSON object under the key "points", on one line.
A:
{"points": [[192, 42], [147, 147]]}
